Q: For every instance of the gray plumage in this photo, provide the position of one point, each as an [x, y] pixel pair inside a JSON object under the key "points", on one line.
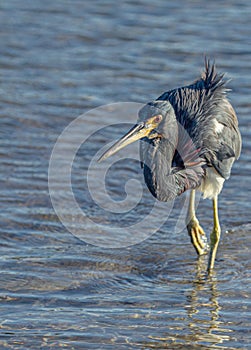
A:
{"points": [[189, 139], [199, 130]]}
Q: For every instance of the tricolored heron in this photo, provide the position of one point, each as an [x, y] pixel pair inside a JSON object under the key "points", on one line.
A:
{"points": [[189, 140]]}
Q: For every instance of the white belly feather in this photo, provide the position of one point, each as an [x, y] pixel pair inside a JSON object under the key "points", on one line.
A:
{"points": [[212, 184]]}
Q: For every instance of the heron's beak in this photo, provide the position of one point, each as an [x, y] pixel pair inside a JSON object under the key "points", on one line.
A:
{"points": [[137, 132]]}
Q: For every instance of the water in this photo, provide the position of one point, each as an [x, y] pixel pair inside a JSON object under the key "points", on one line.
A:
{"points": [[61, 59]]}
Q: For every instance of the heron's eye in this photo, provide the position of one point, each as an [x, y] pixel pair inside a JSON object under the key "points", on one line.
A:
{"points": [[157, 119]]}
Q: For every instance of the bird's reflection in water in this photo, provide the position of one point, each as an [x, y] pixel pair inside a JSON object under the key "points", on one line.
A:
{"points": [[202, 327], [203, 308]]}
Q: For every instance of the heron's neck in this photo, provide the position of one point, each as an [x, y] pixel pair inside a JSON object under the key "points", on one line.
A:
{"points": [[158, 169]]}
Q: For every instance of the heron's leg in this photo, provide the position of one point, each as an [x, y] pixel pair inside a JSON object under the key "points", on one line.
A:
{"points": [[198, 237], [215, 235]]}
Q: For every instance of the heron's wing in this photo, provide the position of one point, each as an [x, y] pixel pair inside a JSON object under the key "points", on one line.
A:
{"points": [[225, 148], [205, 113]]}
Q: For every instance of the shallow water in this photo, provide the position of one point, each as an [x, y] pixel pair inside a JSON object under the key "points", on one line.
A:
{"points": [[59, 60]]}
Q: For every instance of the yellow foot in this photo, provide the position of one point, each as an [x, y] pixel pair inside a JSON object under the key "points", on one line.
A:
{"points": [[215, 239], [198, 237]]}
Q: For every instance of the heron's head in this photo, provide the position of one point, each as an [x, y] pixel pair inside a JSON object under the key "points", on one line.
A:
{"points": [[155, 120]]}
